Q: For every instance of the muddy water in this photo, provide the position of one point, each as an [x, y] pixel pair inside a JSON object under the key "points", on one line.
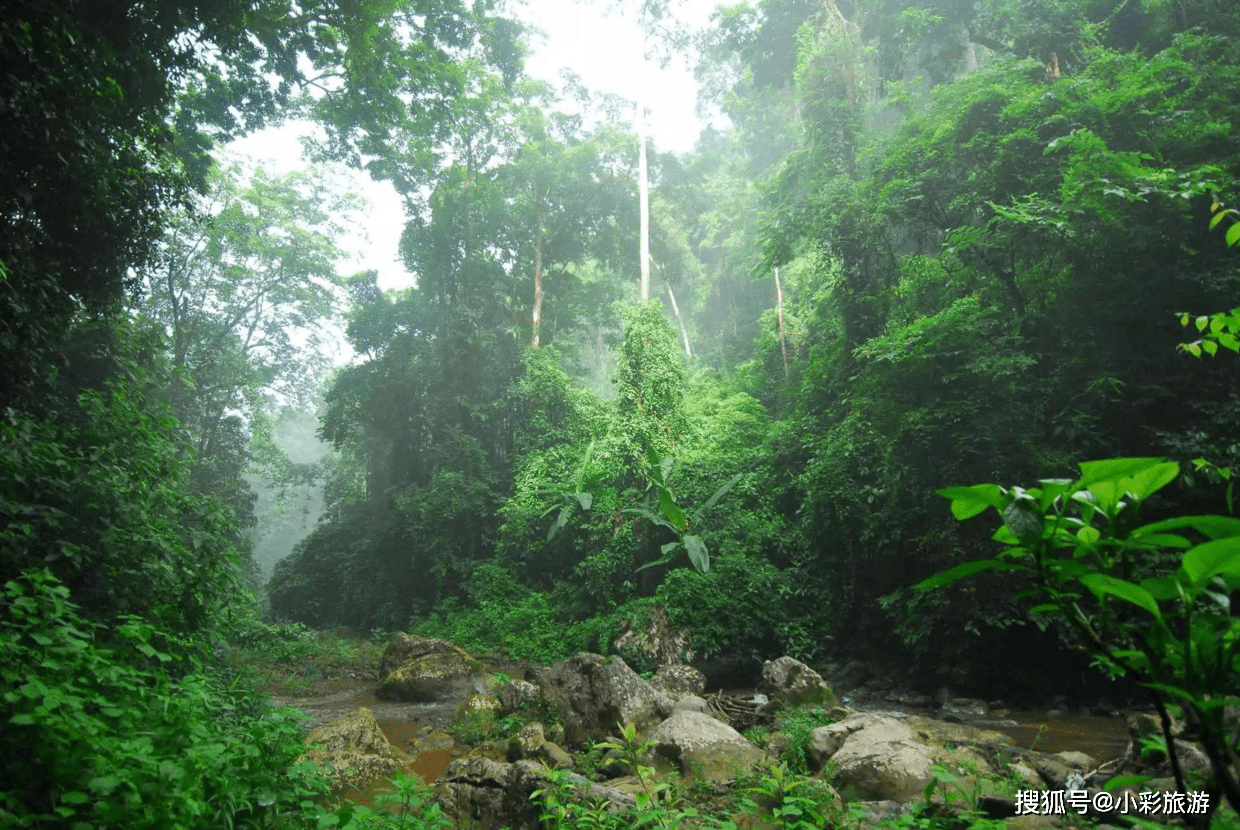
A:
{"points": [[1101, 738]]}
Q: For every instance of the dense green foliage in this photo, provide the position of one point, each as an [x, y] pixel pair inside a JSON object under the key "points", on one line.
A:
{"points": [[137, 734], [1068, 537], [935, 242]]}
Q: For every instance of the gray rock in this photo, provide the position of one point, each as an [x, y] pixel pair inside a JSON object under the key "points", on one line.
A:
{"points": [[354, 747], [792, 683], [403, 648], [1078, 761], [877, 755], [433, 678], [679, 681], [964, 708], [692, 703], [487, 795], [702, 746], [656, 644], [591, 694], [517, 696]]}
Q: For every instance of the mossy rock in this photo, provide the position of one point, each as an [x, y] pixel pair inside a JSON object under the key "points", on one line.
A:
{"points": [[434, 678]]}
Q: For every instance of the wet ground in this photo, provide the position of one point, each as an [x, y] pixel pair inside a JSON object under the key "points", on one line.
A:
{"points": [[1101, 738], [338, 698]]}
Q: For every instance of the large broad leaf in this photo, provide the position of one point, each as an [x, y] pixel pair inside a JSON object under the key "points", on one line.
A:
{"points": [[667, 557], [667, 503], [1025, 520], [1215, 527], [718, 494], [967, 502], [1115, 468], [565, 512], [959, 572], [1162, 587], [1150, 480], [581, 471], [1102, 584], [585, 500], [697, 553], [1218, 558], [1052, 488]]}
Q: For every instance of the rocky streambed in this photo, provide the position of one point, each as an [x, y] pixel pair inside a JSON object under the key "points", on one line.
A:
{"points": [[433, 711]]}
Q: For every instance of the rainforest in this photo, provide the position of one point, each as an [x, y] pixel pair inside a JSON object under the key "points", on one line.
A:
{"points": [[869, 462]]}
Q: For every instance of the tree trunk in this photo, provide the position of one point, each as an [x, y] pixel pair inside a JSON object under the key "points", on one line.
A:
{"points": [[643, 188], [779, 315], [538, 289], [684, 334]]}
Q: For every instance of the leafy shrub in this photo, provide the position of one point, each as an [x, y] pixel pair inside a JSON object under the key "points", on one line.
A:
{"points": [[798, 727], [104, 736], [743, 607], [517, 621]]}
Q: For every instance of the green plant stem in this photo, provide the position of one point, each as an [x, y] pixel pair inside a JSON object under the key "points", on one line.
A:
{"points": [[1172, 755]]}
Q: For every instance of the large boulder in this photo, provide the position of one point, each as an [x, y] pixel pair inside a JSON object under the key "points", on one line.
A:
{"points": [[679, 681], [355, 748], [877, 755], [484, 794], [704, 747], [792, 683], [591, 694], [434, 678], [655, 644], [404, 648], [519, 696]]}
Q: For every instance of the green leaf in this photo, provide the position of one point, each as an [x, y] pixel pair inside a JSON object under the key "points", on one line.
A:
{"points": [[1216, 218], [1215, 527], [959, 572], [1233, 234], [1025, 520], [1052, 488], [104, 784], [1125, 781], [697, 553], [667, 503], [1220, 557], [718, 494], [967, 502], [1210, 346], [585, 500], [1102, 584], [1114, 468], [1161, 587], [1149, 481], [1201, 322]]}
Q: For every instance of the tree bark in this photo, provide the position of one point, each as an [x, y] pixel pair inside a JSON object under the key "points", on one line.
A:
{"points": [[643, 188], [779, 315], [684, 334], [538, 288]]}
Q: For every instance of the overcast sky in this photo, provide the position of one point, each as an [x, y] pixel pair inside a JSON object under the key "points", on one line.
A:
{"points": [[603, 49]]}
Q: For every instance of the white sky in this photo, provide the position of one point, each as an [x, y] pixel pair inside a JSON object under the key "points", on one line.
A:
{"points": [[604, 50]]}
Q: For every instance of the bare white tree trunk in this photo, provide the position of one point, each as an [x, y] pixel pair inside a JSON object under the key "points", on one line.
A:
{"points": [[779, 315], [684, 333], [643, 188], [538, 289]]}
